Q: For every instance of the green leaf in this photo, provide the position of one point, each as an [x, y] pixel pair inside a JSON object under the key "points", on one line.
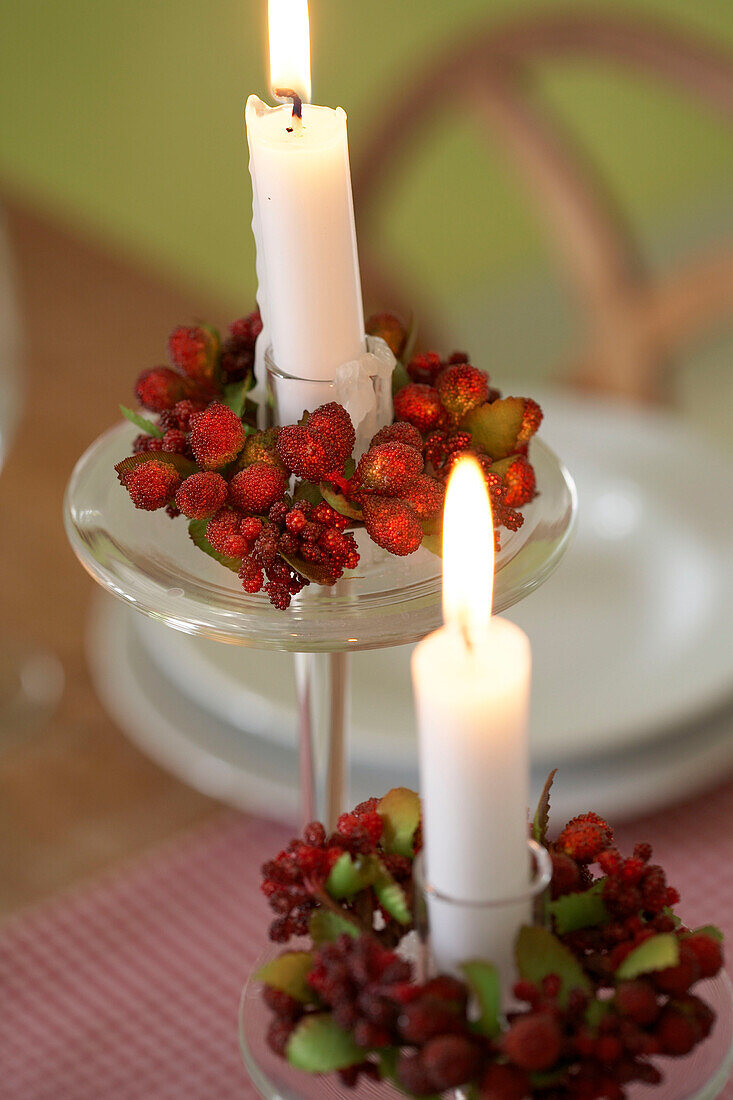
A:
{"points": [[539, 953], [348, 876], [319, 1045], [314, 571], [579, 910], [656, 953], [710, 930], [483, 979], [400, 378], [288, 973], [542, 813], [142, 422], [306, 490], [339, 502], [325, 926], [400, 814], [197, 534], [235, 394], [184, 465], [595, 1012], [409, 348], [495, 427], [391, 896]]}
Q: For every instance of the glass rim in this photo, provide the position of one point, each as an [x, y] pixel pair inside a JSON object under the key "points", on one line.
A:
{"points": [[542, 876]]}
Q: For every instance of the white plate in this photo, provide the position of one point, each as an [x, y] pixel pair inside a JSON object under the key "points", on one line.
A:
{"points": [[633, 636], [255, 774]]}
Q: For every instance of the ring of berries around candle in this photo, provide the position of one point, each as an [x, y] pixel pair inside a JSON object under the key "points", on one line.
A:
{"points": [[605, 976], [279, 506]]}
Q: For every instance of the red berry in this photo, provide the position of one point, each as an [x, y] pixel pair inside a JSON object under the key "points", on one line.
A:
{"points": [[202, 494], [257, 487], [160, 388], [388, 469], [585, 837], [420, 405], [637, 1000], [152, 484], [676, 980], [224, 534], [425, 496], [519, 479], [677, 1033], [389, 328], [193, 350], [427, 1017], [393, 525], [450, 1060], [533, 1042], [174, 442], [462, 388], [565, 874], [321, 446], [707, 951], [400, 432], [503, 1082], [237, 352], [217, 436], [282, 1004], [531, 420], [278, 1034], [412, 1075], [425, 367]]}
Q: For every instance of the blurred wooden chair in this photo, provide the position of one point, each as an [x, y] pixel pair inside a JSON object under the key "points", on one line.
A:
{"points": [[635, 319]]}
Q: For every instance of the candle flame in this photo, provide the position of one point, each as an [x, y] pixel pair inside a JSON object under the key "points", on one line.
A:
{"points": [[290, 59], [468, 551]]}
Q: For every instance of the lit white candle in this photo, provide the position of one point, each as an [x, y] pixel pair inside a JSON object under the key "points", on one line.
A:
{"points": [[307, 263], [471, 680]]}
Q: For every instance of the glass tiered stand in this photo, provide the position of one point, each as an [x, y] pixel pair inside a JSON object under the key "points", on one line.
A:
{"points": [[147, 560]]}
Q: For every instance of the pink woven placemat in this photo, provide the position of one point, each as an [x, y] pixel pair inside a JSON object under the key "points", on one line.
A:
{"points": [[128, 987]]}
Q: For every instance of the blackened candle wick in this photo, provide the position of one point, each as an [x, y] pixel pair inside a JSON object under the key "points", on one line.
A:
{"points": [[288, 93]]}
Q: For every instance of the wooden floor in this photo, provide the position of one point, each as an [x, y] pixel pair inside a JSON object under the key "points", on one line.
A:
{"points": [[75, 796]]}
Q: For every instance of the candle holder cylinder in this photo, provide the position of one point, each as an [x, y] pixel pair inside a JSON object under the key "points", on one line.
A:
{"points": [[455, 930]]}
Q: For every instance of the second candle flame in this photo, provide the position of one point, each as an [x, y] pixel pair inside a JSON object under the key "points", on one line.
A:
{"points": [[468, 551], [290, 59]]}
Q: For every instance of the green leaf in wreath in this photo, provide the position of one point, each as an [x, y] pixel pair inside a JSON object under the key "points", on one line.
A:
{"points": [[339, 502], [579, 910], [325, 926], [710, 930], [142, 422], [197, 534], [656, 953], [400, 378], [539, 953], [288, 973], [400, 814], [542, 813], [313, 571], [483, 979], [307, 490], [495, 427], [235, 394], [319, 1045], [391, 896], [595, 1012], [184, 465], [348, 876]]}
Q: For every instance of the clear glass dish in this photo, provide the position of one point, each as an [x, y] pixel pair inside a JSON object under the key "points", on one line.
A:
{"points": [[701, 1075], [149, 561]]}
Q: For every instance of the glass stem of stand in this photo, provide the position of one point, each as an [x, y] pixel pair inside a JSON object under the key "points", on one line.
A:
{"points": [[323, 687]]}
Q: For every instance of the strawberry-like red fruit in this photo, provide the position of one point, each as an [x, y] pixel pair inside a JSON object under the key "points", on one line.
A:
{"points": [[152, 484], [531, 420], [237, 352], [708, 952], [519, 480], [462, 388], [193, 350], [388, 469], [585, 837], [392, 524], [217, 436], [160, 388], [224, 533], [202, 494], [399, 432], [319, 448], [534, 1042], [425, 496], [256, 488], [425, 367], [504, 1082], [389, 328], [419, 404]]}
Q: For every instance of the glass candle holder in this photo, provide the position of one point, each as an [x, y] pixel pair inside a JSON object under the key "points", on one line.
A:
{"points": [[363, 386], [456, 930]]}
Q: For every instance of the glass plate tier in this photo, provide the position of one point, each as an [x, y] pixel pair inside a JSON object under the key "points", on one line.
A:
{"points": [[148, 560], [701, 1075]]}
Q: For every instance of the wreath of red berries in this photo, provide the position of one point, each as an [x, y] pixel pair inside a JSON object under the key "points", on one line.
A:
{"points": [[605, 976], [204, 458]]}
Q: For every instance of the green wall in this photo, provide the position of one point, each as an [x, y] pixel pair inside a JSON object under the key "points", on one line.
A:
{"points": [[126, 116]]}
